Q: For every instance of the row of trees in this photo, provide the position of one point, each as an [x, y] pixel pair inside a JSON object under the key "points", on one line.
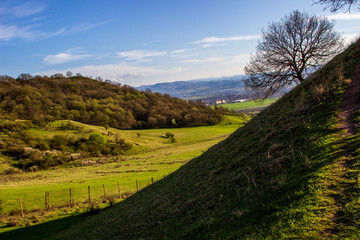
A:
{"points": [[69, 74], [42, 99]]}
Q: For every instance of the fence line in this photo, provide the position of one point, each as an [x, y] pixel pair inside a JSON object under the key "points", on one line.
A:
{"points": [[67, 197]]}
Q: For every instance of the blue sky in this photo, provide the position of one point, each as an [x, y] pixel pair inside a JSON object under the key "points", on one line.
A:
{"points": [[139, 42]]}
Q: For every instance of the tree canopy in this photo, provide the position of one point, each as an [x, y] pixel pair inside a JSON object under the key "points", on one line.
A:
{"points": [[289, 51], [42, 99]]}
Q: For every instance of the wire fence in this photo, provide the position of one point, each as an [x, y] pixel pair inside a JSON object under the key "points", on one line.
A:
{"points": [[30, 200]]}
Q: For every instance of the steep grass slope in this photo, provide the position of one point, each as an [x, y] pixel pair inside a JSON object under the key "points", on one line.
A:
{"points": [[291, 172]]}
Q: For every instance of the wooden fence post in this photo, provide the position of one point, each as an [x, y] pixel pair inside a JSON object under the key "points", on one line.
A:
{"points": [[137, 186], [21, 208], [70, 198], [46, 200], [104, 191], [119, 189], [152, 180], [89, 194]]}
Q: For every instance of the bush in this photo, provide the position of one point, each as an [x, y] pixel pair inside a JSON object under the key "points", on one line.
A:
{"points": [[11, 170], [97, 138], [169, 135]]}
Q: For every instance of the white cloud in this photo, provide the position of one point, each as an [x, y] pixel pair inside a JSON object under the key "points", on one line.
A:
{"points": [[213, 45], [118, 71], [140, 54], [350, 38], [8, 32], [241, 58], [197, 60], [212, 40], [178, 51], [344, 16], [66, 56]]}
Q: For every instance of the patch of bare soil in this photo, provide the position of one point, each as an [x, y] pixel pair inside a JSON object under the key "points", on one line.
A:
{"points": [[350, 104]]}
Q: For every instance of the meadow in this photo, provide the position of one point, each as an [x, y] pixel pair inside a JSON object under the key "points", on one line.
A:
{"points": [[152, 157], [248, 104]]}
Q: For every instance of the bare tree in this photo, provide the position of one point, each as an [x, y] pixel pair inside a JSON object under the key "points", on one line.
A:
{"points": [[25, 76], [289, 51], [57, 75], [69, 74], [336, 5]]}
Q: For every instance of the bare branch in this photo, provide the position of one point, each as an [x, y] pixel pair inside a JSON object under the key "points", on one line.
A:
{"points": [[336, 5]]}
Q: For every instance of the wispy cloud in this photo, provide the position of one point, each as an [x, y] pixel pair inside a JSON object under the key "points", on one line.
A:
{"points": [[344, 16], [10, 30], [23, 10], [31, 32], [67, 56], [179, 51], [221, 41], [85, 27], [203, 60], [140, 54], [118, 71]]}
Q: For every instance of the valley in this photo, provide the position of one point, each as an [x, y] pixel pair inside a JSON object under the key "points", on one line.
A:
{"points": [[151, 158]]}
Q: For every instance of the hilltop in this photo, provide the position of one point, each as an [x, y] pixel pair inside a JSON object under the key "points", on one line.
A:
{"points": [[291, 172], [43, 99]]}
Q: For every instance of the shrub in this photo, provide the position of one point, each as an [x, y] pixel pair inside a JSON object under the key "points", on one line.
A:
{"points": [[169, 135], [97, 138], [11, 170]]}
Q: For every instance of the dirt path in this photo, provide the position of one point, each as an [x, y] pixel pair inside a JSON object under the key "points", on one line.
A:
{"points": [[350, 104]]}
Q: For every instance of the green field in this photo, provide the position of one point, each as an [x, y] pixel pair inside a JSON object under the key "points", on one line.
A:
{"points": [[248, 104], [151, 157]]}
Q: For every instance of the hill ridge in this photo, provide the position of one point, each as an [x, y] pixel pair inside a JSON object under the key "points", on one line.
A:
{"points": [[44, 99]]}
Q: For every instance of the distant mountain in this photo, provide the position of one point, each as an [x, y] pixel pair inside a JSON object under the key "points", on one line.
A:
{"points": [[200, 88]]}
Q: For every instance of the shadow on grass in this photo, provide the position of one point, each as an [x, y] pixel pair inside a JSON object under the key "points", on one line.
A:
{"points": [[44, 230]]}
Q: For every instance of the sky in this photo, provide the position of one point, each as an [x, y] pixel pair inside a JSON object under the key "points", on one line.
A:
{"points": [[140, 42]]}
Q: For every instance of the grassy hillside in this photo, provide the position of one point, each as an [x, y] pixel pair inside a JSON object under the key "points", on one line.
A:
{"points": [[291, 172], [151, 157], [43, 99]]}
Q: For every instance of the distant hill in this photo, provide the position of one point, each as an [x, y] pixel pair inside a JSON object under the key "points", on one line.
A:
{"points": [[199, 88], [290, 173], [44, 99]]}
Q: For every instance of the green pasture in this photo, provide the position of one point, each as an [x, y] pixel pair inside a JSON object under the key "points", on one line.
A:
{"points": [[151, 157], [248, 104]]}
